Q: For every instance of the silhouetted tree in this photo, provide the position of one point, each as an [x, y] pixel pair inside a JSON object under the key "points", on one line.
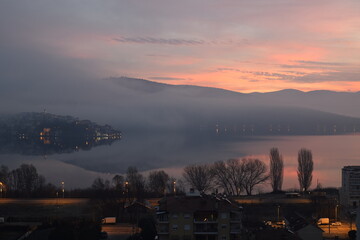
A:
{"points": [[118, 182], [199, 177], [25, 180], [255, 172], [229, 176], [157, 181], [4, 179], [100, 184], [4, 174], [305, 169], [276, 170], [136, 182]]}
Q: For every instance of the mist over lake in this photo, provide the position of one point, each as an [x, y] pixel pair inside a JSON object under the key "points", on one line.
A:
{"points": [[173, 151], [168, 127]]}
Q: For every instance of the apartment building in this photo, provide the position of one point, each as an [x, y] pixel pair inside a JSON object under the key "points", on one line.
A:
{"points": [[350, 186], [205, 217]]}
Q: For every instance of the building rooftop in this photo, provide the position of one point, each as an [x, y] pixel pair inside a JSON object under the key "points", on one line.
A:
{"points": [[357, 168], [197, 203], [296, 222]]}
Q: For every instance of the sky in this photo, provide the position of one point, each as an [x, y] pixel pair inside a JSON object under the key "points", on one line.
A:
{"points": [[239, 45]]}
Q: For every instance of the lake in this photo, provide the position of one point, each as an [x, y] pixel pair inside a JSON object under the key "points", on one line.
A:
{"points": [[173, 151]]}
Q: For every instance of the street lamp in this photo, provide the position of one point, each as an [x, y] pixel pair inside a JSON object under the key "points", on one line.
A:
{"points": [[336, 211], [1, 189], [63, 189], [127, 188], [174, 188], [278, 213]]}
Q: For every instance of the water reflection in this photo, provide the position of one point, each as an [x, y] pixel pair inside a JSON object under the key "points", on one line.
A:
{"points": [[173, 151], [48, 145]]}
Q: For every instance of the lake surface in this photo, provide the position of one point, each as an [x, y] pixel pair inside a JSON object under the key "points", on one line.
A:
{"points": [[173, 151]]}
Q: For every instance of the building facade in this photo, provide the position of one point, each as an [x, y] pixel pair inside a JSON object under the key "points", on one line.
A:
{"points": [[350, 186], [198, 218]]}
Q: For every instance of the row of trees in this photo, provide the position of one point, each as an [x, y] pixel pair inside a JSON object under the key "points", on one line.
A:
{"points": [[233, 177], [304, 170], [135, 184], [236, 176], [24, 181]]}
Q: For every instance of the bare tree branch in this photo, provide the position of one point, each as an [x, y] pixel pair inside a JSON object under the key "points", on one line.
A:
{"points": [[255, 173], [199, 177]]}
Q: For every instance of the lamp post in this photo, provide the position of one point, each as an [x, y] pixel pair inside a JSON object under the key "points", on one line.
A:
{"points": [[126, 190], [336, 212], [174, 188], [63, 189], [127, 187], [1, 189]]}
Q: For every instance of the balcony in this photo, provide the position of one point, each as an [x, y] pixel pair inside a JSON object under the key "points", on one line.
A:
{"points": [[162, 217], [205, 221], [206, 228], [205, 217]]}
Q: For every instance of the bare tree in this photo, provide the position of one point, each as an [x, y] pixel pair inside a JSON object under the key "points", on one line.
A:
{"points": [[4, 174], [305, 169], [276, 170], [4, 178], [229, 176], [221, 175], [255, 172], [199, 177], [135, 182], [25, 180], [158, 181], [118, 182], [100, 184]]}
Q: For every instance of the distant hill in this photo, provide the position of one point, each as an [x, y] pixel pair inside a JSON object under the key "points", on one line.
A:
{"points": [[225, 112], [343, 103], [141, 105]]}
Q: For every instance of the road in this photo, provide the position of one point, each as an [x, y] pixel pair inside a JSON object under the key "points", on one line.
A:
{"points": [[259, 200], [118, 231], [43, 201], [340, 231]]}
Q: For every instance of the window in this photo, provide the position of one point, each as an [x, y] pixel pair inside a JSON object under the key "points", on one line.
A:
{"points": [[223, 215], [186, 215], [223, 237], [175, 215], [186, 227], [174, 226], [223, 226]]}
